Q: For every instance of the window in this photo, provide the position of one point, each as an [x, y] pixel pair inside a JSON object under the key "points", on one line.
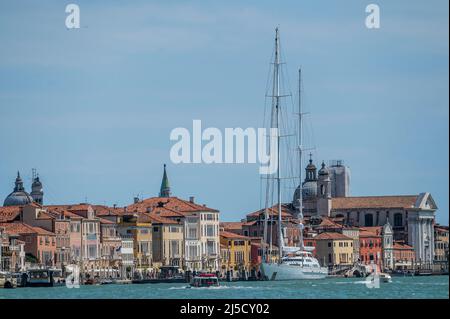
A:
{"points": [[329, 244], [398, 220], [92, 251], [192, 232], [368, 220], [210, 230]]}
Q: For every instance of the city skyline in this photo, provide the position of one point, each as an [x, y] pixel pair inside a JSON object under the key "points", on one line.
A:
{"points": [[92, 109]]}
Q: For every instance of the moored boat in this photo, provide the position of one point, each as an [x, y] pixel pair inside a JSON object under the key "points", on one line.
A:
{"points": [[43, 278]]}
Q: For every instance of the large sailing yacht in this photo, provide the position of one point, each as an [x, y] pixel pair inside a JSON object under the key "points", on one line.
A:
{"points": [[293, 262]]}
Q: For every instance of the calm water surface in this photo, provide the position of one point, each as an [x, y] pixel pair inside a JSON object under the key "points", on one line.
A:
{"points": [[401, 287]]}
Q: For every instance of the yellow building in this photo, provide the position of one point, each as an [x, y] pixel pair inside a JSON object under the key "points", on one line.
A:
{"points": [[167, 242], [235, 252], [139, 227], [334, 249]]}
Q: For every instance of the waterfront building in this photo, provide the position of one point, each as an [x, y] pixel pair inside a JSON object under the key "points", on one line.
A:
{"points": [[441, 244], [40, 244], [110, 247], [411, 216], [370, 246], [236, 253], [334, 249], [353, 233], [167, 241], [85, 236], [2, 240], [12, 252], [404, 256], [254, 225], [200, 226], [140, 228], [127, 262], [376, 246], [35, 215]]}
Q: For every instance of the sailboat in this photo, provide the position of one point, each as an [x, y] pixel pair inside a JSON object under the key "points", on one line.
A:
{"points": [[293, 262]]}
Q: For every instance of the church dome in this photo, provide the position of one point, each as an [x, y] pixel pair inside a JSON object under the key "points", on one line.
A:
{"points": [[309, 191], [19, 196], [324, 170]]}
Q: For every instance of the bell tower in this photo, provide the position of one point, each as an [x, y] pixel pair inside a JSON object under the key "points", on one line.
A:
{"points": [[37, 192], [324, 192], [165, 186]]}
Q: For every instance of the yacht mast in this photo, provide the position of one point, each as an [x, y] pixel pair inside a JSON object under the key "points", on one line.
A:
{"points": [[300, 153], [277, 109]]}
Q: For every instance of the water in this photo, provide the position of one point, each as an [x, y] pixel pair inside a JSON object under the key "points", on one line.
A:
{"points": [[347, 288]]}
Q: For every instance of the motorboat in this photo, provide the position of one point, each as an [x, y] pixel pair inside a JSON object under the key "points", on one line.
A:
{"points": [[204, 281]]}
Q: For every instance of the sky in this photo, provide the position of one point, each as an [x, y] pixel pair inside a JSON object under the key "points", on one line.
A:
{"points": [[92, 108]]}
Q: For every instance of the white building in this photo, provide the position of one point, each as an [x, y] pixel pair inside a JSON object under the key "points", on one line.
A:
{"points": [[127, 256]]}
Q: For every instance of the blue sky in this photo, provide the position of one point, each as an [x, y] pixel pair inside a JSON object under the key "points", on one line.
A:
{"points": [[92, 109]]}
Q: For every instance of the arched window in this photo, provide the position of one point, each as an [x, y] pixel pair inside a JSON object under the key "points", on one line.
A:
{"points": [[398, 220], [368, 220], [322, 190]]}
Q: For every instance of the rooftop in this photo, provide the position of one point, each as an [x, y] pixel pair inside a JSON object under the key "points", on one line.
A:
{"points": [[331, 236]]}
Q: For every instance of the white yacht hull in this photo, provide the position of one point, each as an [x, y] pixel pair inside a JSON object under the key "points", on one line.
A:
{"points": [[275, 271]]}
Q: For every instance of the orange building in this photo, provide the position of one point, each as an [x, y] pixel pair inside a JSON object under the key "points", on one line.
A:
{"points": [[370, 246], [39, 243]]}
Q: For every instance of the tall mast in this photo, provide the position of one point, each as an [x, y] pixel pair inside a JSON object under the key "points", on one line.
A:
{"points": [[300, 153], [277, 109]]}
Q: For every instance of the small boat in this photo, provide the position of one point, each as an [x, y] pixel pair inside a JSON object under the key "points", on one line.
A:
{"points": [[384, 277], [204, 281]]}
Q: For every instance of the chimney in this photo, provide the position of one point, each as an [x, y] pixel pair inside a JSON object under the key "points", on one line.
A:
{"points": [[191, 199]]}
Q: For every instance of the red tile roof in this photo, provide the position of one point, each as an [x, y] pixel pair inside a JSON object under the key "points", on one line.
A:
{"points": [[21, 228], [370, 231], [332, 236], [173, 203], [231, 225], [9, 213], [158, 219], [229, 235], [57, 212], [327, 223], [406, 201], [273, 211]]}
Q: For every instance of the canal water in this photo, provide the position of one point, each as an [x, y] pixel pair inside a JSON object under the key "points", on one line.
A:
{"points": [[347, 288]]}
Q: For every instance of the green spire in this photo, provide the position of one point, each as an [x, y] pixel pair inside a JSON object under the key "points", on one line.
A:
{"points": [[165, 187]]}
